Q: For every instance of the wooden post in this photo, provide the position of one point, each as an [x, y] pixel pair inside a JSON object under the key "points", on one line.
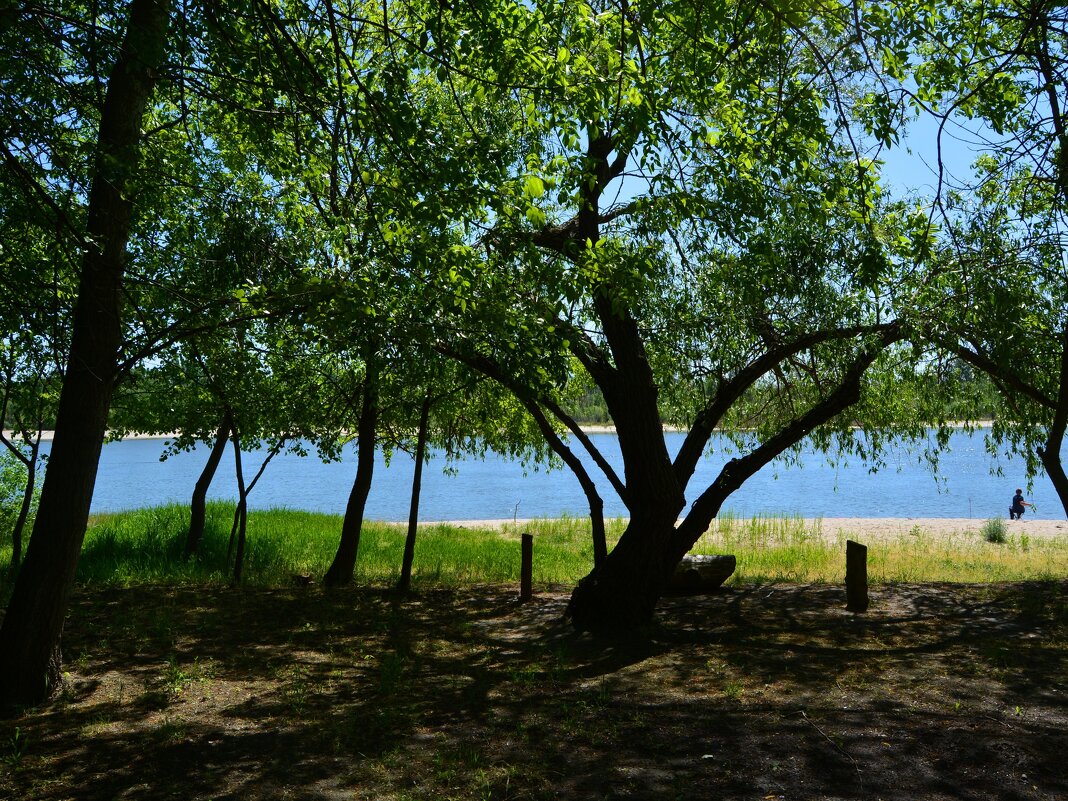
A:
{"points": [[526, 568], [856, 576]]}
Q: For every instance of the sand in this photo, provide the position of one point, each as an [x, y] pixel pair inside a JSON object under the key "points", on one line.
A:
{"points": [[866, 529], [875, 528], [48, 436]]}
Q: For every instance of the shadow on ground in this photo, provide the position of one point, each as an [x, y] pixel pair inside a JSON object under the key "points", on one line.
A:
{"points": [[938, 692]]}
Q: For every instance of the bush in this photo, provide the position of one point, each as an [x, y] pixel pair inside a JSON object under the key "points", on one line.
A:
{"points": [[994, 530]]}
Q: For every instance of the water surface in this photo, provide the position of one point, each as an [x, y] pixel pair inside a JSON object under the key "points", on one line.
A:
{"points": [[132, 475]]}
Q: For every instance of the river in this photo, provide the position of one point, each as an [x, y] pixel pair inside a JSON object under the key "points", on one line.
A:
{"points": [[131, 475]]}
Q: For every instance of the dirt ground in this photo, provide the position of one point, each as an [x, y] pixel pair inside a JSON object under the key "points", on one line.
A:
{"points": [[766, 692]]}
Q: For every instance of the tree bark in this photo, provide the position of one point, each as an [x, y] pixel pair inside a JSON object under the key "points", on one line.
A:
{"points": [[405, 581], [240, 526], [343, 568], [198, 503], [30, 636], [621, 594], [589, 488]]}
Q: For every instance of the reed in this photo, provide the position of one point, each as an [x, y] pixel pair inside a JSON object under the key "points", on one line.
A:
{"points": [[145, 546]]}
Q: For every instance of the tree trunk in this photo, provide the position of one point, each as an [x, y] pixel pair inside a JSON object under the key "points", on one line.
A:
{"points": [[621, 594], [343, 568], [589, 488], [405, 581], [241, 524], [240, 514], [622, 591], [1051, 453], [27, 504], [24, 512], [198, 504], [30, 635], [1051, 461]]}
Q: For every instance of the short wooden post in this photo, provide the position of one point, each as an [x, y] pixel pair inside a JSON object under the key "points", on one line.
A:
{"points": [[856, 576], [526, 568]]}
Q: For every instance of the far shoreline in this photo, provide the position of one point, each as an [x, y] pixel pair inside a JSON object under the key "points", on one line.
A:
{"points": [[590, 428]]}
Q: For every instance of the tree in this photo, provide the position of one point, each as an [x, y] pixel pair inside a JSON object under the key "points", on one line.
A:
{"points": [[1003, 311], [29, 637], [26, 402], [998, 301], [32, 352], [219, 364], [692, 226], [371, 153]]}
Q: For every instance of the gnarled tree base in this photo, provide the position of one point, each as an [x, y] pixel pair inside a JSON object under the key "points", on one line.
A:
{"points": [[621, 594]]}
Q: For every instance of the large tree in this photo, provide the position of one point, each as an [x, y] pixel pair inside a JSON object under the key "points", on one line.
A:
{"points": [[690, 220], [29, 637]]}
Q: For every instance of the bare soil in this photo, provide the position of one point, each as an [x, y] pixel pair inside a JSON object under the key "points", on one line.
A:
{"points": [[765, 692]]}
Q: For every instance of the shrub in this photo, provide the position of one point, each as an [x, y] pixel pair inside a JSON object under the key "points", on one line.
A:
{"points": [[12, 483], [12, 487], [994, 530]]}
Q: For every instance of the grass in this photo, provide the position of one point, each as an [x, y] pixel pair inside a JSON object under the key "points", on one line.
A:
{"points": [[145, 546], [786, 549]]}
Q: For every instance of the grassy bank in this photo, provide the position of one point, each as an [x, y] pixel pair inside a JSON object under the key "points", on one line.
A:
{"points": [[793, 550], [145, 546]]}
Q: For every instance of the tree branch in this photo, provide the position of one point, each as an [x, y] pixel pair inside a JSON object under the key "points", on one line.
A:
{"points": [[732, 389]]}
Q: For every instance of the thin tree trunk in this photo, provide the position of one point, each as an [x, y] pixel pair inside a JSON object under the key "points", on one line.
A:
{"points": [[343, 568], [241, 522], [405, 582], [199, 502], [30, 657], [241, 516], [27, 503], [589, 488], [239, 511]]}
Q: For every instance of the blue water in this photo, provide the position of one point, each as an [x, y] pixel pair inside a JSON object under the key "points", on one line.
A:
{"points": [[132, 475]]}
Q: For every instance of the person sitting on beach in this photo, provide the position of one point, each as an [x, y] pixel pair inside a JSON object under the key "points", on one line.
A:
{"points": [[1018, 503]]}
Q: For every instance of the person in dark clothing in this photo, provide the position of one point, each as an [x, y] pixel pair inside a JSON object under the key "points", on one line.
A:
{"points": [[1018, 503]]}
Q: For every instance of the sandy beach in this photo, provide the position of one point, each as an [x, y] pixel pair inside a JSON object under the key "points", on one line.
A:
{"points": [[875, 528], [867, 529], [48, 436]]}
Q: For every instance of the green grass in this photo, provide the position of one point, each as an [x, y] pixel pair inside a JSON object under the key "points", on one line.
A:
{"points": [[145, 546], [791, 549]]}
